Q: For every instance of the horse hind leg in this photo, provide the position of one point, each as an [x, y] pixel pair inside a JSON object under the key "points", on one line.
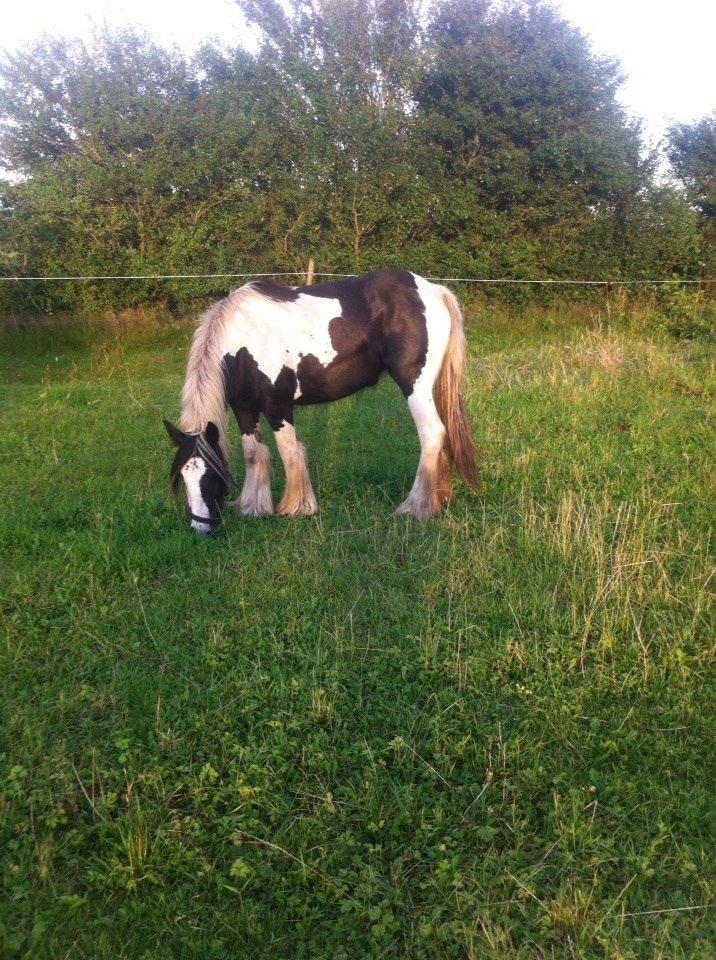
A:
{"points": [[298, 496], [432, 486]]}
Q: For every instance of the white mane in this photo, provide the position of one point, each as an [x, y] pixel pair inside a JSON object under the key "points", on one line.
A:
{"points": [[203, 395]]}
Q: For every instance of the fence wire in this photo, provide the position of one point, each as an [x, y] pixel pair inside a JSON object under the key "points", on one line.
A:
{"points": [[303, 273]]}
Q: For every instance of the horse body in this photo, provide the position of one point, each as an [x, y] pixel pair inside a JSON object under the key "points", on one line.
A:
{"points": [[268, 348]]}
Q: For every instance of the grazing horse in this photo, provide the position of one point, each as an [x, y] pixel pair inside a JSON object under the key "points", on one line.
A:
{"points": [[268, 348]]}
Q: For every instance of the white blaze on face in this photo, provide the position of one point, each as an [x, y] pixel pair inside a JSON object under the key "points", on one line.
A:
{"points": [[192, 472]]}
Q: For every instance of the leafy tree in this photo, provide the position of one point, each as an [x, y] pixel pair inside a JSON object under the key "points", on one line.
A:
{"points": [[123, 152], [349, 67], [532, 139], [691, 149]]}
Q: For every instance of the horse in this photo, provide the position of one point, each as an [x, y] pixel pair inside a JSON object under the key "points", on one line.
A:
{"points": [[268, 348]]}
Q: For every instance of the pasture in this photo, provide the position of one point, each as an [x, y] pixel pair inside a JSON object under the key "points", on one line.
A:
{"points": [[355, 735]]}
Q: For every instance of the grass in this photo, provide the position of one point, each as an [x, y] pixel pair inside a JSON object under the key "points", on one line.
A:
{"points": [[487, 736]]}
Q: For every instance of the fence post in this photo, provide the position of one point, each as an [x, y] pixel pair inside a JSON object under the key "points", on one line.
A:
{"points": [[309, 275]]}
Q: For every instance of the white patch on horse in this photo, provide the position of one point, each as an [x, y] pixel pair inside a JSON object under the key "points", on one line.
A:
{"points": [[437, 325], [192, 472], [279, 334]]}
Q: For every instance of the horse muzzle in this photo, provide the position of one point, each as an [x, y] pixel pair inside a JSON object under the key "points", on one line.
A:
{"points": [[213, 523]]}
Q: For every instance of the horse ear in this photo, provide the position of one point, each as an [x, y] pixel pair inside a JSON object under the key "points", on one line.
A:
{"points": [[175, 434], [212, 432]]}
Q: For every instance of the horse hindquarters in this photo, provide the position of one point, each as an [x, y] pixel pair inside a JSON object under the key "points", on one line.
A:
{"points": [[428, 325], [436, 405]]}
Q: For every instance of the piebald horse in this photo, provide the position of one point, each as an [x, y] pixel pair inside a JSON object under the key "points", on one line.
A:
{"points": [[268, 348]]}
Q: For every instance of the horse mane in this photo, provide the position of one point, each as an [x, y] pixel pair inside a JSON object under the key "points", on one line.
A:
{"points": [[204, 392]]}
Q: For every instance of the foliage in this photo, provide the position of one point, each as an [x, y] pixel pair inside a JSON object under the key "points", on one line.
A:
{"points": [[355, 735], [688, 314], [691, 149], [692, 152], [484, 141], [494, 99]]}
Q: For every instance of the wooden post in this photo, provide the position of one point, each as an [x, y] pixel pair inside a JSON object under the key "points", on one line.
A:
{"points": [[309, 275]]}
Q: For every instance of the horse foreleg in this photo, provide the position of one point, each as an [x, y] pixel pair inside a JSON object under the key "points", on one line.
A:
{"points": [[255, 499], [298, 496]]}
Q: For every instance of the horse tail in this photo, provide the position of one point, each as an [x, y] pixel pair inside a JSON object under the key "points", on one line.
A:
{"points": [[447, 393], [204, 391]]}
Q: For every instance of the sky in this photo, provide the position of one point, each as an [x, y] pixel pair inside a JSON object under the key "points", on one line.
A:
{"points": [[665, 47]]}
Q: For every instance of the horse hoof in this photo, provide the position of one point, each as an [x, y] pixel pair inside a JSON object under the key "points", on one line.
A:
{"points": [[297, 510], [418, 510]]}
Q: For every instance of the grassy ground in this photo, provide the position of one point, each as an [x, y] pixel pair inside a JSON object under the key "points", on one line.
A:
{"points": [[486, 736]]}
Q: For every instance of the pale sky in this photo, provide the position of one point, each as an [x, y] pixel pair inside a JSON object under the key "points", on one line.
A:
{"points": [[665, 47]]}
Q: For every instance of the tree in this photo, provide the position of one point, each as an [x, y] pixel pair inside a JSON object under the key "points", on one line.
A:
{"points": [[691, 149], [349, 68], [532, 139], [121, 152]]}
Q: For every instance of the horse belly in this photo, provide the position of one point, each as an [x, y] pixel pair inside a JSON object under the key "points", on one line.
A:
{"points": [[346, 374]]}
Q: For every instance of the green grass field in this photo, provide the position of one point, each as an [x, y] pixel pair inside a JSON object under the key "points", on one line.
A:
{"points": [[486, 736]]}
